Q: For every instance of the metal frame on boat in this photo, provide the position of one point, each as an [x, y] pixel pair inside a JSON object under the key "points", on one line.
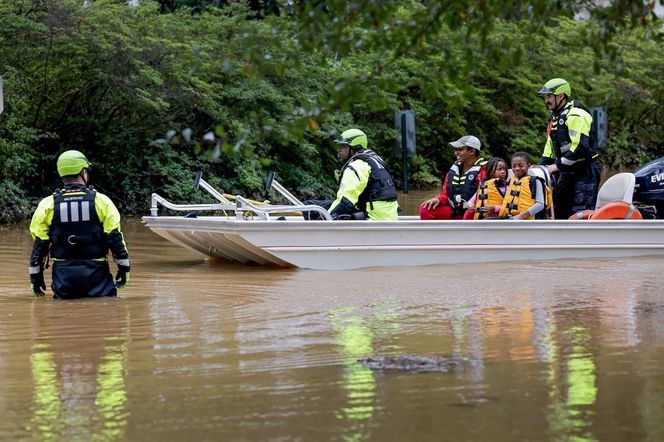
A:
{"points": [[251, 232]]}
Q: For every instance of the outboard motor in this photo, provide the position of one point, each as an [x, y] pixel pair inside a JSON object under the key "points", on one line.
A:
{"points": [[649, 189]]}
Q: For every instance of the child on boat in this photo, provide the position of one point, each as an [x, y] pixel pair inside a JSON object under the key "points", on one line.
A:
{"points": [[525, 196], [488, 199]]}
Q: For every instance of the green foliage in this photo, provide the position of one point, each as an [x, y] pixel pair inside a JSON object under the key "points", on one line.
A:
{"points": [[234, 89], [17, 157]]}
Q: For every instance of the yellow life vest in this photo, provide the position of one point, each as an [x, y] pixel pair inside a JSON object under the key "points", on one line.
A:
{"points": [[488, 194], [518, 197]]}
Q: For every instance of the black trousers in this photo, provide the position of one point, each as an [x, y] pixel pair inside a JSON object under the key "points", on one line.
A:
{"points": [[82, 278], [325, 204], [576, 190]]}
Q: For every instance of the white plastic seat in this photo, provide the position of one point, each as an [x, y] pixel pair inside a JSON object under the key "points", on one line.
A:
{"points": [[540, 171], [620, 187]]}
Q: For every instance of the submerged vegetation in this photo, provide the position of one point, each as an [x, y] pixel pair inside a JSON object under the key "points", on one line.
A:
{"points": [[152, 93]]}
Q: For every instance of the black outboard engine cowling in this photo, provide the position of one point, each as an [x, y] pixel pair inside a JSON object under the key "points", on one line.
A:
{"points": [[649, 186]]}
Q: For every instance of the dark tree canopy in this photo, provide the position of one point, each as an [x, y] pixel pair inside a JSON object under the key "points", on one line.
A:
{"points": [[154, 92]]}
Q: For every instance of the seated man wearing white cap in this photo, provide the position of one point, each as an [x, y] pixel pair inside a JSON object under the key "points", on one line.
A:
{"points": [[460, 183]]}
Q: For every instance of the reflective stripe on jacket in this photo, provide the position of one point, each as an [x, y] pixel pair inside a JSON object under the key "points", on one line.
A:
{"points": [[104, 209], [367, 186], [568, 137], [463, 185]]}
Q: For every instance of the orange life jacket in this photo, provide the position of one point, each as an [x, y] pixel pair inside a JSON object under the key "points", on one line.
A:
{"points": [[518, 197], [488, 194]]}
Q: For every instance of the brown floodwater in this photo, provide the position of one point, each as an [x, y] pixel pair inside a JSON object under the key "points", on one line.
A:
{"points": [[198, 350]]}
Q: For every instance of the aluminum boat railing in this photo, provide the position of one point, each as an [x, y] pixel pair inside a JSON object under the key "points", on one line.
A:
{"points": [[241, 206]]}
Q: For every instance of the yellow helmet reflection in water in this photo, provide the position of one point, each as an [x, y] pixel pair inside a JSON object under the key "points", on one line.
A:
{"points": [[354, 340]]}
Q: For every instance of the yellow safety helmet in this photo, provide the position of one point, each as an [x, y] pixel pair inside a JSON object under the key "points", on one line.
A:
{"points": [[556, 86], [355, 138], [71, 162]]}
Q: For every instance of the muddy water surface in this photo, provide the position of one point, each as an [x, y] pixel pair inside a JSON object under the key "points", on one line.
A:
{"points": [[194, 350]]}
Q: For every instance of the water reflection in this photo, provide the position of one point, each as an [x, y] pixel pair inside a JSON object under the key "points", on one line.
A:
{"points": [[354, 340], [552, 325], [111, 392], [79, 390], [46, 397], [205, 350], [576, 391]]}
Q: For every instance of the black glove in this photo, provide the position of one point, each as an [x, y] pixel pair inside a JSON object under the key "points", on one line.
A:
{"points": [[36, 266], [357, 216], [122, 277], [38, 284]]}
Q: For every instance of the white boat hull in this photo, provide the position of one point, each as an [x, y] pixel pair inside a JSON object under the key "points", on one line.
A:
{"points": [[342, 245]]}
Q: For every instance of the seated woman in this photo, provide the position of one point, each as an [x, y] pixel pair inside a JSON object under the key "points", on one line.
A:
{"points": [[525, 195], [460, 184]]}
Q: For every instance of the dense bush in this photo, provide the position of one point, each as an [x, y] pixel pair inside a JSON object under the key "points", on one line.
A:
{"points": [[138, 89]]}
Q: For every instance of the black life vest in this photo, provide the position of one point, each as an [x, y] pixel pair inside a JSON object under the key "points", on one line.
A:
{"points": [[76, 231], [464, 185], [380, 186], [559, 132]]}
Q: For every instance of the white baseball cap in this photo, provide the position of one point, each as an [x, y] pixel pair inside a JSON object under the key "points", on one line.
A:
{"points": [[467, 141]]}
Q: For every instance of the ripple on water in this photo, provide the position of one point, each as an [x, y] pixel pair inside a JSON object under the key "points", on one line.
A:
{"points": [[206, 350]]}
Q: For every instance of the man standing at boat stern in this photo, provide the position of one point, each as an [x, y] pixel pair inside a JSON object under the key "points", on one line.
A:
{"points": [[77, 226], [366, 187], [569, 152]]}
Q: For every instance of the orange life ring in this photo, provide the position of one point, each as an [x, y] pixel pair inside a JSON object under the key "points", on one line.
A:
{"points": [[584, 214], [616, 210]]}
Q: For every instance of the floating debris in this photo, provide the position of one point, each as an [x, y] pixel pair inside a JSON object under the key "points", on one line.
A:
{"points": [[472, 401], [416, 363]]}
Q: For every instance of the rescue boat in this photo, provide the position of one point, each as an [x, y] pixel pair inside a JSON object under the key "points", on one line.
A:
{"points": [[266, 234]]}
